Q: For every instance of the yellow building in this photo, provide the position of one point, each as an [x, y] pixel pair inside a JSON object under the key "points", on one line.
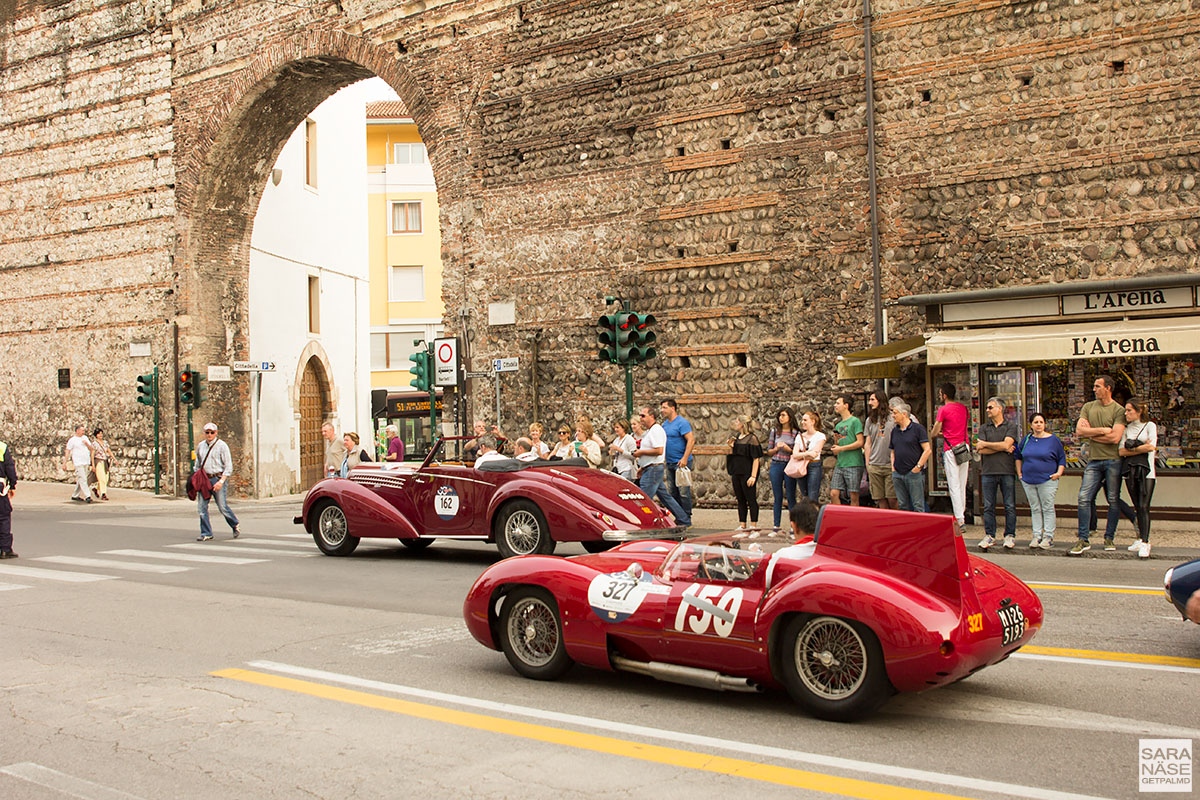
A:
{"points": [[405, 262]]}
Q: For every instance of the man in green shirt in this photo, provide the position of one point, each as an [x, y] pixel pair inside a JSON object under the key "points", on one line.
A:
{"points": [[1102, 424], [848, 445]]}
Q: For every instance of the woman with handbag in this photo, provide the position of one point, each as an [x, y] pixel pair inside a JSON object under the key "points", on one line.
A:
{"points": [[742, 465], [779, 448], [101, 459], [805, 463], [1137, 468], [1040, 461]]}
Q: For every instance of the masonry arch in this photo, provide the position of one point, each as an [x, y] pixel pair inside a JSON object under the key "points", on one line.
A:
{"points": [[225, 163]]}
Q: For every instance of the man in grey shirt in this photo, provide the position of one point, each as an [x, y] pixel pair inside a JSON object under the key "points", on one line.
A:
{"points": [[998, 470], [879, 456], [213, 456]]}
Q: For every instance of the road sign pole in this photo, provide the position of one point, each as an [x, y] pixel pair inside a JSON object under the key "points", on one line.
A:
{"points": [[433, 431], [497, 375]]}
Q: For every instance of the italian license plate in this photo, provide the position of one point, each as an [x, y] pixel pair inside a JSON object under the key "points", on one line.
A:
{"points": [[1012, 619]]}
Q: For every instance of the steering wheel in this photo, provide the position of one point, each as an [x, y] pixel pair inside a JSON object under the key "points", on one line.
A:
{"points": [[730, 567]]}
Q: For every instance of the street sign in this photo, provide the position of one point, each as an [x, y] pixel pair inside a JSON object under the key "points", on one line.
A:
{"points": [[480, 374], [253, 366], [218, 373], [504, 364], [445, 362]]}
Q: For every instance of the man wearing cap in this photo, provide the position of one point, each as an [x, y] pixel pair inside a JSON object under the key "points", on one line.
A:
{"points": [[213, 455]]}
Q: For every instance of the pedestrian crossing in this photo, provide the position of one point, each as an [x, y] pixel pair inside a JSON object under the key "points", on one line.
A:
{"points": [[170, 559]]}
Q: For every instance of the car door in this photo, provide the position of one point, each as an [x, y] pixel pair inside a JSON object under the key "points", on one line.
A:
{"points": [[452, 500], [710, 614]]}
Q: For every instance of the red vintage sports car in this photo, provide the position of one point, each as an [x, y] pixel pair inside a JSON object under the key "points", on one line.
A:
{"points": [[523, 506], [881, 601]]}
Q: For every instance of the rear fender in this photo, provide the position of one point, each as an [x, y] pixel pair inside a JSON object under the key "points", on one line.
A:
{"points": [[908, 621], [367, 514], [568, 521], [566, 581]]}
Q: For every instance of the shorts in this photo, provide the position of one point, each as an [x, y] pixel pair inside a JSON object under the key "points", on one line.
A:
{"points": [[846, 479], [881, 482]]}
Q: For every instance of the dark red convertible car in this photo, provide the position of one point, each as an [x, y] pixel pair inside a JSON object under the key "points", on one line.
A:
{"points": [[881, 601], [523, 507]]}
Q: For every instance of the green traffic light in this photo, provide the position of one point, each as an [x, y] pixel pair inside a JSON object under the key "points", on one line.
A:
{"points": [[420, 370], [145, 389]]}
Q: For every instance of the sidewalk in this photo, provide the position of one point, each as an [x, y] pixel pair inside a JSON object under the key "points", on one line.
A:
{"points": [[42, 495]]}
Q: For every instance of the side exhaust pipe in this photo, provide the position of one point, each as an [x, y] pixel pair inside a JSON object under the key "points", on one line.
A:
{"points": [[689, 676]]}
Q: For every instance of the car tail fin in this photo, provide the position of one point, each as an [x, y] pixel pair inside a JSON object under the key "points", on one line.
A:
{"points": [[929, 541]]}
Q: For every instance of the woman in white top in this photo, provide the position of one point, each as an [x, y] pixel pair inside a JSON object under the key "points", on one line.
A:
{"points": [[621, 449], [585, 445], [808, 448], [565, 447], [535, 437], [1137, 467]]}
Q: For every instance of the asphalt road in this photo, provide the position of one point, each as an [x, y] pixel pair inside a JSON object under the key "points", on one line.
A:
{"points": [[281, 673]]}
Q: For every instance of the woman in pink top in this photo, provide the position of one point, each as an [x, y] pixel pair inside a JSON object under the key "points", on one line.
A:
{"points": [[951, 425]]}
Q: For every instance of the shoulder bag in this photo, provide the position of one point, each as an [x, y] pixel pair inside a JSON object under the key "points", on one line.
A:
{"points": [[1139, 461], [797, 467], [199, 483]]}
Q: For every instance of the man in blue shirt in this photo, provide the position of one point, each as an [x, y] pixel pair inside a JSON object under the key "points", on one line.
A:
{"points": [[910, 453], [678, 453]]}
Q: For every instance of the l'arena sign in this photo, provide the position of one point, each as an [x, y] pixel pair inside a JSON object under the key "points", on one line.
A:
{"points": [[1124, 301], [1082, 346]]}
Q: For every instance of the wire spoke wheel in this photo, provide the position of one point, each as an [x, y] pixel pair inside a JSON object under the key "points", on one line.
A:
{"points": [[331, 530], [533, 631], [831, 658], [523, 532], [332, 525]]}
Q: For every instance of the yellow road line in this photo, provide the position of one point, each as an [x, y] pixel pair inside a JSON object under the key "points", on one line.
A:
{"points": [[1048, 586], [1104, 655], [751, 770]]}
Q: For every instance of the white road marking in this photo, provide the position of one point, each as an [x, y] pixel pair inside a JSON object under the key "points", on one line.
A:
{"points": [[4, 587], [1098, 586], [233, 548], [132, 566], [64, 783], [409, 640], [674, 738], [1096, 662], [184, 557], [295, 536], [277, 543], [54, 574]]}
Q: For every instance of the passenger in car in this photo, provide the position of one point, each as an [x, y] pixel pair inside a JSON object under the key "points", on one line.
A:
{"points": [[487, 450]]}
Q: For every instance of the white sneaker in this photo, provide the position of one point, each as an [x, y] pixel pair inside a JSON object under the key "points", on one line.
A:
{"points": [[986, 542], [1035, 543], [1010, 542], [1143, 549], [740, 528], [1137, 544], [1047, 543]]}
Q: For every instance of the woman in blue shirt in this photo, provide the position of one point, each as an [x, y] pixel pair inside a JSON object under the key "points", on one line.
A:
{"points": [[1041, 461]]}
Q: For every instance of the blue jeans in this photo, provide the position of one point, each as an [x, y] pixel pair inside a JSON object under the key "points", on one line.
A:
{"points": [[1107, 473], [222, 504], [812, 481], [778, 482], [682, 494], [1041, 507], [1007, 484], [910, 490], [652, 484]]}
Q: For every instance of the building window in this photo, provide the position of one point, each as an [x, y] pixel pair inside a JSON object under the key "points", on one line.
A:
{"points": [[314, 304], [310, 153], [406, 217], [390, 351], [408, 153], [406, 284]]}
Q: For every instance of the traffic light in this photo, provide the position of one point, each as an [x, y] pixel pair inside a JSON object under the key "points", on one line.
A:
{"points": [[198, 392], [146, 390], [420, 370], [642, 338], [188, 380], [606, 334], [626, 337]]}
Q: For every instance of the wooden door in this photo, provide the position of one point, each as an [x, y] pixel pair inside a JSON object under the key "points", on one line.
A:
{"points": [[314, 409]]}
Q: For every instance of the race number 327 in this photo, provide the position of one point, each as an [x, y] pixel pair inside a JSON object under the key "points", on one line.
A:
{"points": [[703, 606]]}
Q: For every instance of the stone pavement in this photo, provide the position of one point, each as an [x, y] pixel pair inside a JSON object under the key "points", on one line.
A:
{"points": [[1172, 540]]}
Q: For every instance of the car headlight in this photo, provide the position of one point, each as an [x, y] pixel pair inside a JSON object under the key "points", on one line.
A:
{"points": [[1167, 584]]}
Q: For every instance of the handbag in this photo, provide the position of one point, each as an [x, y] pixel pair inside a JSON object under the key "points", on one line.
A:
{"points": [[797, 467], [1141, 460], [683, 476], [198, 483], [962, 453]]}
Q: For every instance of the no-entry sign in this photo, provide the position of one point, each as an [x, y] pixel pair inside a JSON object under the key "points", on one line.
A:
{"points": [[445, 362]]}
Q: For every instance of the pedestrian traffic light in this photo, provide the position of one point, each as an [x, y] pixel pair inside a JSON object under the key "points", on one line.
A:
{"points": [[146, 390], [642, 338], [606, 334], [420, 370], [187, 386]]}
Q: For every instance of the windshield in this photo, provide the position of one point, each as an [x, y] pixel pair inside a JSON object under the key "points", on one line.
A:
{"points": [[698, 561]]}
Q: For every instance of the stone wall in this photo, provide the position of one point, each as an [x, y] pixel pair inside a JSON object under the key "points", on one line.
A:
{"points": [[706, 161]]}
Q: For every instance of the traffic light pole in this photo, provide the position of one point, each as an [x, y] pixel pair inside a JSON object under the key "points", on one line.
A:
{"points": [[629, 391], [157, 462], [433, 435]]}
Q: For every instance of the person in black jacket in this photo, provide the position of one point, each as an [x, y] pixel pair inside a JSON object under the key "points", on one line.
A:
{"points": [[742, 465], [8, 488]]}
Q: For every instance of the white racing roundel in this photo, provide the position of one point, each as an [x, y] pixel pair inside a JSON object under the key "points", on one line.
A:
{"points": [[616, 595], [445, 502]]}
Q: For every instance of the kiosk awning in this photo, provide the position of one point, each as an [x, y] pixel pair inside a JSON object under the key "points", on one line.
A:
{"points": [[1141, 337], [879, 361]]}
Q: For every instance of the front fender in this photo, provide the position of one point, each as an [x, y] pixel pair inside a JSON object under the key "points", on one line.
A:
{"points": [[565, 580], [367, 514], [909, 622]]}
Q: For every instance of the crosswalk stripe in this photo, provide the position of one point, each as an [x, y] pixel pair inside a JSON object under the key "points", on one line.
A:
{"points": [[295, 536], [54, 574], [132, 566], [277, 543], [4, 587], [183, 557], [233, 548]]}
